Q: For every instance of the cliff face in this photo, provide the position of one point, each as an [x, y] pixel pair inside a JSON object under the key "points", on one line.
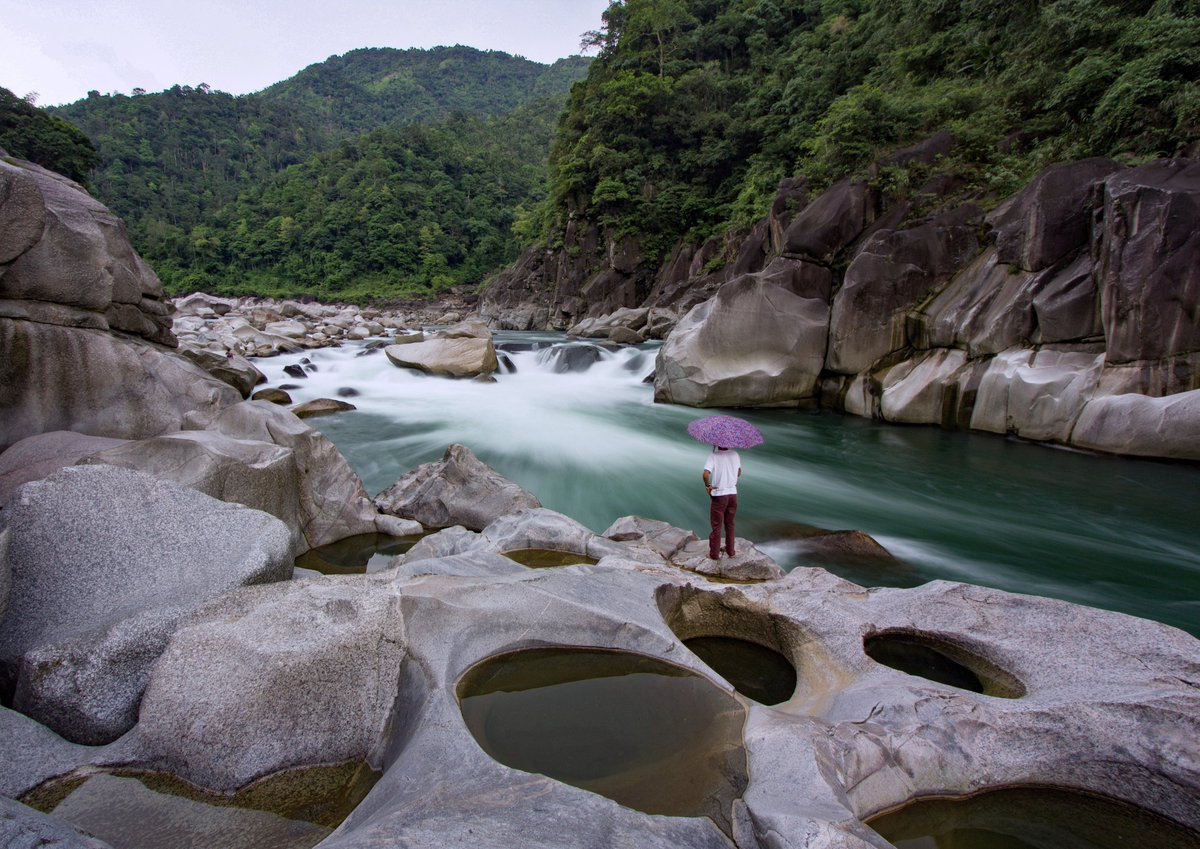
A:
{"points": [[85, 331], [1070, 313]]}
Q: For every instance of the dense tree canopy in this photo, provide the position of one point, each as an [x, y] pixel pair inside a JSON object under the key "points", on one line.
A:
{"points": [[299, 188], [695, 109], [30, 133]]}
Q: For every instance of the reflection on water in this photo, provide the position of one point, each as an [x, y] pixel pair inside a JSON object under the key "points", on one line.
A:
{"points": [[755, 671], [649, 735], [295, 810], [545, 558], [1029, 818], [355, 555], [1111, 532]]}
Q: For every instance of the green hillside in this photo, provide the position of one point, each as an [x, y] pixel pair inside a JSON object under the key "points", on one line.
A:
{"points": [[695, 110], [187, 167]]}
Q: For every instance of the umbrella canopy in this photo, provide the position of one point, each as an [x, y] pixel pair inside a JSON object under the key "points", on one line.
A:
{"points": [[725, 432]]}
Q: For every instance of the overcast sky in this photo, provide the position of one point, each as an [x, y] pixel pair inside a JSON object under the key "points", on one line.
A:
{"points": [[61, 49]]}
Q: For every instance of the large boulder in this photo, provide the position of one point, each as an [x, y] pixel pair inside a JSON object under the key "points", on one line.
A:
{"points": [[1037, 395], [331, 503], [1050, 219], [96, 383], [464, 349], [261, 475], [65, 259], [231, 368], [35, 457], [274, 677], [459, 489], [826, 226], [755, 343], [97, 591], [1149, 266], [1141, 425], [891, 271]]}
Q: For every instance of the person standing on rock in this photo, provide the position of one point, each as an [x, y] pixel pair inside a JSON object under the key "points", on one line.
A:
{"points": [[721, 473]]}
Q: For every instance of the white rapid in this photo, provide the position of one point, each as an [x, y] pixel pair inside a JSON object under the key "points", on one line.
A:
{"points": [[576, 425]]}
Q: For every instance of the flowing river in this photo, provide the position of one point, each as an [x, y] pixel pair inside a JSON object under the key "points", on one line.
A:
{"points": [[576, 425]]}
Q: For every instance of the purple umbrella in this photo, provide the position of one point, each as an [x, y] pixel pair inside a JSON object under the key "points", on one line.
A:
{"points": [[725, 432]]}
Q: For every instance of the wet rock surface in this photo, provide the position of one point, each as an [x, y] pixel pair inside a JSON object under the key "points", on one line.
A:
{"points": [[1071, 697]]}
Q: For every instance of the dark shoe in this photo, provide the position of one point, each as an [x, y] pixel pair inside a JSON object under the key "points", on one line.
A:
{"points": [[731, 554], [716, 556]]}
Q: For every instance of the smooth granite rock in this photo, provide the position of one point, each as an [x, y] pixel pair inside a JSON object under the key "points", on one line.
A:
{"points": [[272, 677], [459, 489], [97, 591], [754, 344], [34, 457], [261, 475], [96, 383], [332, 503], [22, 827]]}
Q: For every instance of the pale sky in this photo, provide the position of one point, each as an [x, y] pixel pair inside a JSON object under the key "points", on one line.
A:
{"points": [[61, 49]]}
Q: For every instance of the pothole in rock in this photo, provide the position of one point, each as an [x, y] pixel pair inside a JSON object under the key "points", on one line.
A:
{"points": [[1029, 818], [939, 660], [355, 555], [755, 671], [144, 810], [649, 735], [753, 650], [548, 558]]}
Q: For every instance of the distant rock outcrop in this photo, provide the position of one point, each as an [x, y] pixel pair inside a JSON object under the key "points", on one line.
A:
{"points": [[1067, 314]]}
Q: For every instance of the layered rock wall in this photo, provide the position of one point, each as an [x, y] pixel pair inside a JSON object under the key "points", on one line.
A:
{"points": [[85, 330], [1067, 314]]}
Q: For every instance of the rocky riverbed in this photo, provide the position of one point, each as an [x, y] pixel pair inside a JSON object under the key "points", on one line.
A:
{"points": [[152, 624]]}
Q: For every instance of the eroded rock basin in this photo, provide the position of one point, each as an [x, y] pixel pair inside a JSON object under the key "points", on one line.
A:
{"points": [[145, 810], [1029, 818], [649, 735]]}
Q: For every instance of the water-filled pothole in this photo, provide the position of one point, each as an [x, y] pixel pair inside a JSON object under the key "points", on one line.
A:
{"points": [[759, 652], [936, 659], [650, 735], [755, 671], [1029, 818], [143, 810], [355, 555], [547, 558]]}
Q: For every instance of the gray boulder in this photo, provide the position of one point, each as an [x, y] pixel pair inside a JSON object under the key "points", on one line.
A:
{"points": [[96, 592], [1149, 266], [332, 503], [889, 274], [826, 226], [261, 475], [464, 349], [269, 678], [755, 343], [22, 827], [1050, 219], [233, 369], [67, 259], [1141, 425], [96, 383], [34, 457], [459, 489]]}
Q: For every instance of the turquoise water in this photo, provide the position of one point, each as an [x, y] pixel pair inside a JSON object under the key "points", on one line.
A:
{"points": [[1110, 532]]}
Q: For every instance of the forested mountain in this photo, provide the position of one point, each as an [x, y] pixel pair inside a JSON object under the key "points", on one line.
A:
{"points": [[193, 171], [695, 109], [401, 211], [30, 133], [370, 88]]}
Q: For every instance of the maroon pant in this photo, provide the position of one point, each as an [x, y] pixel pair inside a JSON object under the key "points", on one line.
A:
{"points": [[721, 513]]}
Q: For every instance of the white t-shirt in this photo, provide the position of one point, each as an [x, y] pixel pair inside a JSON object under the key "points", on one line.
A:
{"points": [[724, 466]]}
